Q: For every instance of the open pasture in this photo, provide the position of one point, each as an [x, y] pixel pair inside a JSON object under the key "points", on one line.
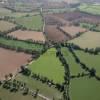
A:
{"points": [[85, 88], [48, 65], [6, 26], [90, 8], [31, 22], [28, 35], [10, 61], [88, 40], [53, 34], [72, 30]]}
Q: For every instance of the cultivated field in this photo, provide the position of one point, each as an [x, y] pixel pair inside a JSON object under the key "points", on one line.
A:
{"points": [[5, 26], [30, 22], [73, 30], [28, 35], [48, 65], [10, 61], [88, 40], [53, 34]]}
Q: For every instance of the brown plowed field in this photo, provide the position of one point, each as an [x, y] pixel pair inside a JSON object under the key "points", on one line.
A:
{"points": [[73, 30], [53, 34], [28, 35], [10, 61], [77, 16]]}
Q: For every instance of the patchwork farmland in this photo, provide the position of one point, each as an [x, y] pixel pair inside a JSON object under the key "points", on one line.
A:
{"points": [[49, 50]]}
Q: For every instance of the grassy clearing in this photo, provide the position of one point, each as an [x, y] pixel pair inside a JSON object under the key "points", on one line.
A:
{"points": [[88, 40], [31, 22], [7, 95], [49, 92], [49, 65], [90, 60], [74, 67], [5, 26], [90, 8], [20, 44], [85, 88]]}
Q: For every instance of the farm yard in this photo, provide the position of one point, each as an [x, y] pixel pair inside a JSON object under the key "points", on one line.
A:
{"points": [[43, 67], [13, 61], [6, 26], [28, 35], [73, 30], [88, 40], [53, 34]]}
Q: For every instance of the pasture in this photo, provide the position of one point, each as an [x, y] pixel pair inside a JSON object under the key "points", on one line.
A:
{"points": [[10, 61], [85, 88], [30, 22], [48, 65], [49, 92], [28, 35], [90, 8], [20, 44], [4, 94], [92, 61], [6, 26], [74, 67], [88, 40]]}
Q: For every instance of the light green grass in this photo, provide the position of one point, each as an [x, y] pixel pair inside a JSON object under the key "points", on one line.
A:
{"points": [[44, 89], [92, 61], [74, 67], [31, 22], [90, 8], [48, 65], [85, 89], [21, 44]]}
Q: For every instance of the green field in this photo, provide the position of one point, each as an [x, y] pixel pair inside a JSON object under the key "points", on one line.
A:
{"points": [[20, 44], [92, 61], [31, 22], [90, 8], [48, 65], [6, 12], [85, 89], [7, 95], [44, 89], [74, 67]]}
